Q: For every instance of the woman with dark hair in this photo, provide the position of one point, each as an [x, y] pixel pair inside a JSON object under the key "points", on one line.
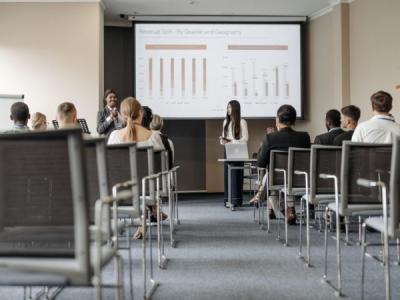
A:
{"points": [[109, 118], [234, 130], [147, 117], [282, 139]]}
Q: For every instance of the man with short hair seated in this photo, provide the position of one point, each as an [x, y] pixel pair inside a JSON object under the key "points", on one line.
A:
{"points": [[332, 123], [20, 116], [350, 116], [67, 117], [382, 126]]}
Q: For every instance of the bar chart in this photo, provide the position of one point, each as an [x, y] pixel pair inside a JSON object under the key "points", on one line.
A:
{"points": [[178, 75], [193, 70], [255, 81]]}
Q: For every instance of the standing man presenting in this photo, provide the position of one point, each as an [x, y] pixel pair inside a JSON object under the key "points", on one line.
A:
{"points": [[109, 118]]}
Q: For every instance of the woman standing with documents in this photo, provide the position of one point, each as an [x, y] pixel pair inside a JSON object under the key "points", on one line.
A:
{"points": [[234, 130]]}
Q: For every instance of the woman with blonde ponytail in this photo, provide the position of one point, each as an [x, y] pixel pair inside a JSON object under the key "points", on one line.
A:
{"points": [[132, 114]]}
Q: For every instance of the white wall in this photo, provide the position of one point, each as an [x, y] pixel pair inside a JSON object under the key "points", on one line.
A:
{"points": [[51, 53]]}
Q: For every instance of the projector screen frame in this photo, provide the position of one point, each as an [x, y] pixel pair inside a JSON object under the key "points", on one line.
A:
{"points": [[302, 58]]}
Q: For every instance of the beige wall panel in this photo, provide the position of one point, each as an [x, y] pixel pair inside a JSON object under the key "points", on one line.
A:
{"points": [[53, 52], [374, 52]]}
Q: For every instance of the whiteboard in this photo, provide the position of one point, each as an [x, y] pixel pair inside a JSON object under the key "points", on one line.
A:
{"points": [[5, 104]]}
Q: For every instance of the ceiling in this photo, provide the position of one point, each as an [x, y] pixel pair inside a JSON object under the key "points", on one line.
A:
{"points": [[213, 7]]}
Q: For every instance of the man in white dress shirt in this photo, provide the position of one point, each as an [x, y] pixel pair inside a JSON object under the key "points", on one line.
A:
{"points": [[382, 126]]}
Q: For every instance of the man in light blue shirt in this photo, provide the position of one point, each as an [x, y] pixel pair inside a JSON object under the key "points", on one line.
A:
{"points": [[382, 126]]}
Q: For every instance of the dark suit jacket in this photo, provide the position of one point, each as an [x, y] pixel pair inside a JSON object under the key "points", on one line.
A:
{"points": [[104, 127], [327, 138], [345, 136], [281, 140]]}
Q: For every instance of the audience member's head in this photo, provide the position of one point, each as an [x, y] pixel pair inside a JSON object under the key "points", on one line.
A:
{"points": [[157, 123], [285, 116], [147, 116], [20, 113], [110, 98], [66, 115], [332, 119], [350, 116], [132, 113], [38, 121], [381, 102]]}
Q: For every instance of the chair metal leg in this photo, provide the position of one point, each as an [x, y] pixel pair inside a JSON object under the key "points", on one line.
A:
{"points": [[286, 220], [279, 219], [398, 251], [346, 224], [300, 230], [363, 250], [308, 262], [387, 266], [130, 263], [338, 255], [325, 276], [118, 269]]}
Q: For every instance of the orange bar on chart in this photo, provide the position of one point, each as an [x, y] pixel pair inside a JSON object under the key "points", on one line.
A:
{"points": [[258, 47], [193, 76], [183, 76], [172, 74], [161, 76], [204, 76], [175, 47], [150, 76]]}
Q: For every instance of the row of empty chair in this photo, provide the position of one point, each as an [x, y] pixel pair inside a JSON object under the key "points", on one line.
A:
{"points": [[341, 183], [66, 204]]}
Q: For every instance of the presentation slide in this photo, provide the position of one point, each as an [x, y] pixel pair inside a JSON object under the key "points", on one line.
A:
{"points": [[194, 70]]}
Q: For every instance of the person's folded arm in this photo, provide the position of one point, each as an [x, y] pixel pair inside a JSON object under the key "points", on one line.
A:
{"points": [[103, 122], [263, 154]]}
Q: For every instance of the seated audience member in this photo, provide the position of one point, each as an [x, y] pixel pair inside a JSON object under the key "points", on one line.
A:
{"points": [[382, 126], [147, 117], [332, 123], [38, 121], [157, 125], [67, 117], [132, 113], [282, 139], [350, 116], [109, 118], [20, 116]]}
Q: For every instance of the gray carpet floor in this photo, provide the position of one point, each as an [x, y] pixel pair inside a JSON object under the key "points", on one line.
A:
{"points": [[224, 255]]}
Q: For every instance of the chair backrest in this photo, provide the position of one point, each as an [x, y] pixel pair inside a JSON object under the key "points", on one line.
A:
{"points": [[324, 159], [363, 160], [44, 204], [394, 191], [161, 165], [278, 160], [97, 170], [122, 165], [146, 166], [298, 160]]}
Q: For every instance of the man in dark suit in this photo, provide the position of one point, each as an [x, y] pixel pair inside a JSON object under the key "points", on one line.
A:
{"points": [[350, 116], [332, 123], [282, 139], [109, 118]]}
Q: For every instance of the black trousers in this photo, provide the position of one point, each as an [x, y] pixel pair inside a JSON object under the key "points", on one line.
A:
{"points": [[236, 184]]}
